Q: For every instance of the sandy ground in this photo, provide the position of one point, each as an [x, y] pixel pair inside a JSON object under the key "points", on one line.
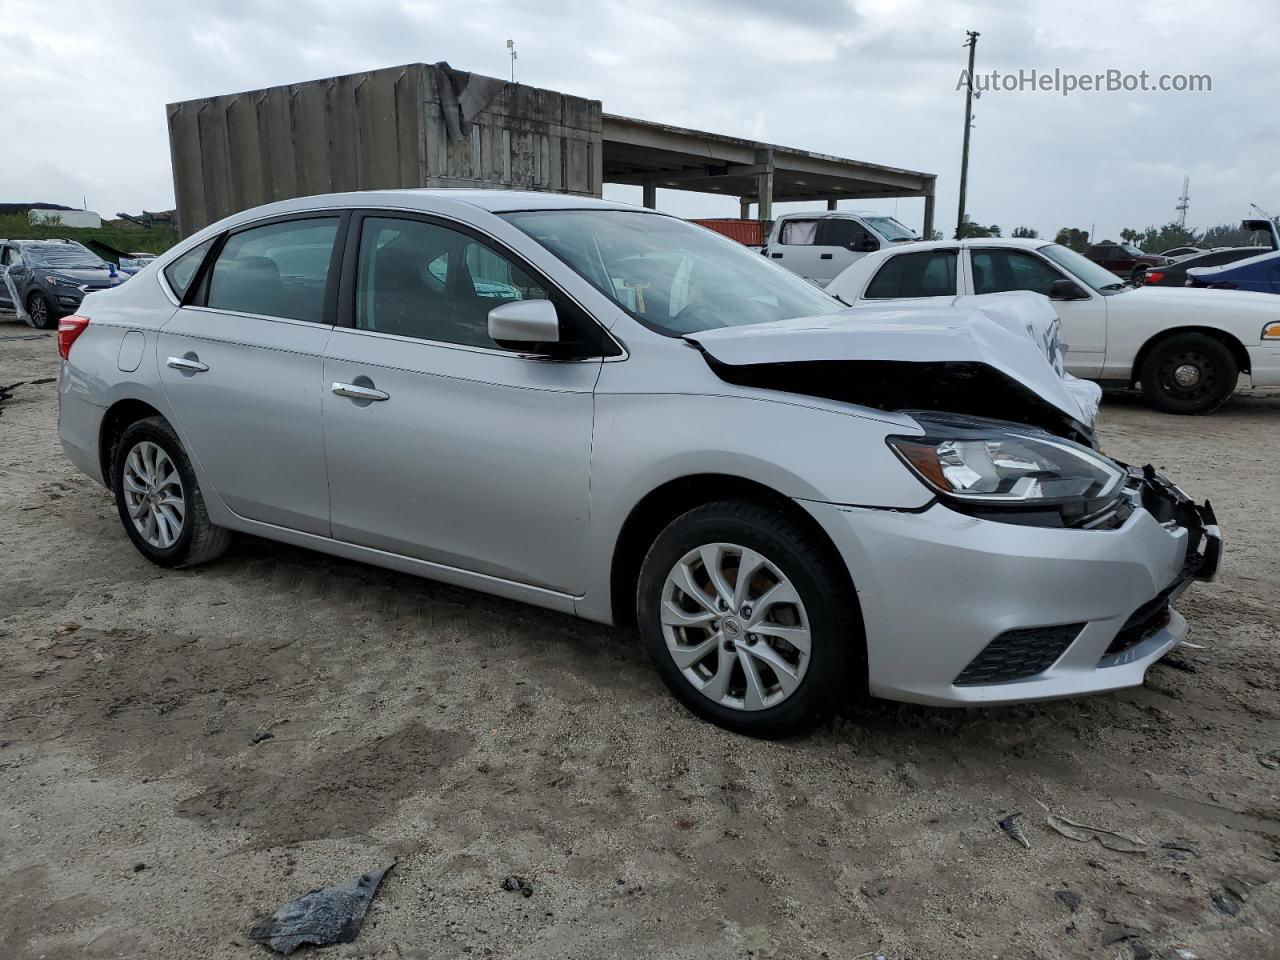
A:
{"points": [[145, 811]]}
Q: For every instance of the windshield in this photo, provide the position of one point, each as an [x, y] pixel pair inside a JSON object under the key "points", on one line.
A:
{"points": [[68, 256], [890, 228], [673, 276], [1133, 251], [1100, 278]]}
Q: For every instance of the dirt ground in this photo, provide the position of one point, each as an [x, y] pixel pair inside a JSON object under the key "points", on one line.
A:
{"points": [[183, 751]]}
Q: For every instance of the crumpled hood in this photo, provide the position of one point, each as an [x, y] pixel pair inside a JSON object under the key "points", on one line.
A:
{"points": [[961, 338], [81, 278]]}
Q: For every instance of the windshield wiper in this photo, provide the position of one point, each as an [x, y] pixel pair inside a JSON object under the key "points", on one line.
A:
{"points": [[1118, 285]]}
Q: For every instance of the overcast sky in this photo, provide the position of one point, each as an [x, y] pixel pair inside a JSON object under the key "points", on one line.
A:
{"points": [[85, 87]]}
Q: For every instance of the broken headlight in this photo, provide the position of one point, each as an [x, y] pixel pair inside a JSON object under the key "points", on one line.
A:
{"points": [[994, 464]]}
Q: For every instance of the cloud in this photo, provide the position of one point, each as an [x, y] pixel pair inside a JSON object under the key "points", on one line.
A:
{"points": [[83, 111]]}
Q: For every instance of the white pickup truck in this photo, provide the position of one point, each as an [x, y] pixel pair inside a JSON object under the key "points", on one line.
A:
{"points": [[1185, 347], [818, 246]]}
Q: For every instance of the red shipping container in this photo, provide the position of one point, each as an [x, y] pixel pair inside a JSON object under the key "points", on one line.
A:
{"points": [[749, 232]]}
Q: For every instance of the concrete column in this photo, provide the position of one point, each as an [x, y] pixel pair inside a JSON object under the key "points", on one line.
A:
{"points": [[764, 193], [928, 216], [831, 203], [744, 208], [650, 195]]}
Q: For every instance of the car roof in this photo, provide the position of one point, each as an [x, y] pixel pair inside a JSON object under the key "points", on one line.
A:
{"points": [[494, 201], [1017, 243]]}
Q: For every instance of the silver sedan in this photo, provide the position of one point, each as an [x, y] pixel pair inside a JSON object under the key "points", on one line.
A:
{"points": [[613, 413]]}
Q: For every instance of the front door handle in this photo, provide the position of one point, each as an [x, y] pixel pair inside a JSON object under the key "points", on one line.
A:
{"points": [[189, 364], [824, 256], [357, 392], [776, 256]]}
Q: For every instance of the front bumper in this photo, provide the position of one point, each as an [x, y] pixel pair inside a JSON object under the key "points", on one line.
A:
{"points": [[938, 589], [1264, 364]]}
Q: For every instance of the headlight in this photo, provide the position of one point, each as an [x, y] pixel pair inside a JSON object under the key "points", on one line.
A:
{"points": [[990, 463], [57, 281]]}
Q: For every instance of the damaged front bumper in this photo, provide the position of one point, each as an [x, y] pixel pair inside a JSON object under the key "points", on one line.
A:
{"points": [[965, 610]]}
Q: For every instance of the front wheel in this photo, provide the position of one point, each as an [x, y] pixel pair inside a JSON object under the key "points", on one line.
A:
{"points": [[159, 499], [749, 618], [1189, 373], [39, 312]]}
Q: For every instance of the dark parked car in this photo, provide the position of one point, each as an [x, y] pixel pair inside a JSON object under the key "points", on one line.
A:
{"points": [[1260, 274], [1124, 259], [51, 277], [1175, 274]]}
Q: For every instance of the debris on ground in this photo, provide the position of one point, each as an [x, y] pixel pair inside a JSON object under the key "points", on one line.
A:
{"points": [[1185, 954], [325, 916], [6, 393], [1180, 847], [1110, 839], [1226, 905], [1119, 933], [1010, 826], [1270, 760], [518, 883], [1069, 899], [1140, 950]]}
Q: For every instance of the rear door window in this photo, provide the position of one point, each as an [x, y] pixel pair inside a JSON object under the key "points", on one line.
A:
{"points": [[276, 270], [927, 273], [799, 232]]}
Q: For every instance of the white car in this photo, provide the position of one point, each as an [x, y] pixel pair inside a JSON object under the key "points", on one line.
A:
{"points": [[1185, 347]]}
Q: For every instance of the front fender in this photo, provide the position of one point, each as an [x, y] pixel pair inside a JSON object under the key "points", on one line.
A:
{"points": [[643, 441]]}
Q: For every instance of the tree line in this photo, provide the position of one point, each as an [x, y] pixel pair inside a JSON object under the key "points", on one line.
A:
{"points": [[1152, 239]]}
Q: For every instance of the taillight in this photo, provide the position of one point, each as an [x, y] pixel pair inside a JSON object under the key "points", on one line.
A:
{"points": [[69, 328], [1155, 276]]}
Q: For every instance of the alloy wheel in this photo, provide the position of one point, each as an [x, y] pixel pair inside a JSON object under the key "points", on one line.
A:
{"points": [[154, 495], [38, 311], [735, 626]]}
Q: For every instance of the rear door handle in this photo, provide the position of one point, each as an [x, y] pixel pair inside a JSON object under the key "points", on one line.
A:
{"points": [[189, 364], [825, 256], [357, 392], [776, 256]]}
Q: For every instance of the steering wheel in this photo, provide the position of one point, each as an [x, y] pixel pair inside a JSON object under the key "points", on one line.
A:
{"points": [[695, 316]]}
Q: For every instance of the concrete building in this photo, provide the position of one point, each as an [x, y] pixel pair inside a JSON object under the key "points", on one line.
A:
{"points": [[79, 219], [427, 125]]}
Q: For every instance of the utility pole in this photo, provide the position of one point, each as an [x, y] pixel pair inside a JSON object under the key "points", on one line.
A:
{"points": [[511, 45], [972, 44]]}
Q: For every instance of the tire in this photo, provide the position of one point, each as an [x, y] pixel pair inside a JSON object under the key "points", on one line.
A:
{"points": [[795, 557], [1138, 277], [40, 312], [196, 540], [1189, 373]]}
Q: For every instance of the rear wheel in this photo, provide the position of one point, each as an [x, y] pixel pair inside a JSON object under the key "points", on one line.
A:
{"points": [[1189, 373], [749, 618], [39, 312], [1139, 276], [159, 499]]}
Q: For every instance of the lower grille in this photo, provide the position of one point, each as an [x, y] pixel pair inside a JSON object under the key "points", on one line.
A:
{"points": [[1144, 622], [1018, 654]]}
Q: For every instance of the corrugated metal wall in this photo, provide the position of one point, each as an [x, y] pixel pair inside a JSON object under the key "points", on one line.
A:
{"points": [[369, 131]]}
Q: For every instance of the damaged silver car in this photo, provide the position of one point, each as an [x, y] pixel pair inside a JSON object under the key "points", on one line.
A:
{"points": [[613, 413]]}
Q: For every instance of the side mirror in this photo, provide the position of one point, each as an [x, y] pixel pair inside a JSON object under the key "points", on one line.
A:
{"points": [[866, 245], [521, 324], [1066, 290]]}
